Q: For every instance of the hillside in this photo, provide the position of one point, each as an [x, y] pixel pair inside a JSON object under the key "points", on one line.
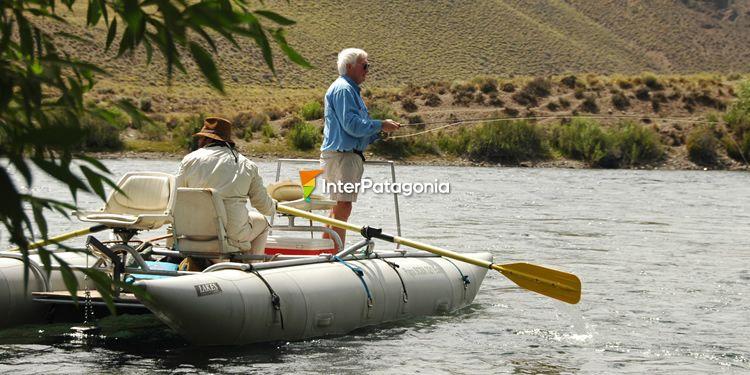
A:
{"points": [[421, 41]]}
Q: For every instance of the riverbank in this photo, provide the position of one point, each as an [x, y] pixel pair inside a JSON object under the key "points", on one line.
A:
{"points": [[574, 121]]}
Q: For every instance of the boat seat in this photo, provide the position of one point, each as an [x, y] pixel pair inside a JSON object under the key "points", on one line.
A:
{"points": [[290, 193], [198, 224], [144, 201]]}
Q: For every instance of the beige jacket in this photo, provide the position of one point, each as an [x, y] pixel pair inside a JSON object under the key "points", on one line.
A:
{"points": [[235, 181]]}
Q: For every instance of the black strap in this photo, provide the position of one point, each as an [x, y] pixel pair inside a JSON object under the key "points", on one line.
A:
{"points": [[275, 299], [395, 268]]}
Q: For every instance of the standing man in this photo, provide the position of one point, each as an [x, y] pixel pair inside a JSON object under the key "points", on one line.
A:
{"points": [[348, 130], [217, 165]]}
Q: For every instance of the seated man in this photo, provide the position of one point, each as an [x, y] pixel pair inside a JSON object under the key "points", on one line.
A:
{"points": [[217, 165]]}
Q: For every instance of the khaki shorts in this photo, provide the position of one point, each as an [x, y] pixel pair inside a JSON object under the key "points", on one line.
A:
{"points": [[344, 167]]}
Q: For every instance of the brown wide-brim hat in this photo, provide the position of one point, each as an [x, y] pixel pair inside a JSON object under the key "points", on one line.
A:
{"points": [[216, 128]]}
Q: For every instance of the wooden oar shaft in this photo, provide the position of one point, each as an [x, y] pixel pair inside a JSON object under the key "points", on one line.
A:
{"points": [[64, 236]]}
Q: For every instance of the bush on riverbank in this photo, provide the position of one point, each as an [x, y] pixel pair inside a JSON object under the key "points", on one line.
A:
{"points": [[100, 134], [584, 139], [304, 136], [738, 121], [312, 111], [626, 145], [636, 144], [497, 141], [702, 146], [403, 147]]}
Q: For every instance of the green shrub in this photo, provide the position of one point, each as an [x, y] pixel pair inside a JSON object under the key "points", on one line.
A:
{"points": [[312, 111], [738, 149], [486, 85], [460, 86], [416, 120], [382, 111], [738, 121], [153, 131], [569, 81], [584, 139], [432, 100], [636, 144], [292, 122], [495, 101], [702, 146], [552, 106], [253, 122], [402, 147], [589, 104], [565, 103], [579, 93], [738, 115], [624, 84], [267, 131], [182, 135], [510, 111], [463, 98], [653, 83], [620, 101], [509, 87], [408, 105], [507, 141], [535, 89], [453, 143], [146, 104], [643, 94], [304, 136], [99, 135]]}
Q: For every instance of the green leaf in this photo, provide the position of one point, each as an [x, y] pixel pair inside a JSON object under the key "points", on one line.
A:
{"points": [[95, 181], [94, 13], [69, 278], [111, 33], [275, 17], [260, 38], [206, 64], [279, 36]]}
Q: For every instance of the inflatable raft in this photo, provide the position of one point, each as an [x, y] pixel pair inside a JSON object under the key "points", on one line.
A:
{"points": [[248, 304]]}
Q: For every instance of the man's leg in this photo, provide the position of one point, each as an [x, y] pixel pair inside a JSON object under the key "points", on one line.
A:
{"points": [[259, 234], [340, 211]]}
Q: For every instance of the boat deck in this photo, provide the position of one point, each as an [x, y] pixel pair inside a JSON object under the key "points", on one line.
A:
{"points": [[63, 297]]}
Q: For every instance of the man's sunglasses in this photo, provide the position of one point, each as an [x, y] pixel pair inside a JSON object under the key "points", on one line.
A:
{"points": [[366, 66]]}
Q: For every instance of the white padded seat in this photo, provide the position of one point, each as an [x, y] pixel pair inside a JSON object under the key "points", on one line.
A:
{"points": [[290, 193], [199, 223], [144, 202]]}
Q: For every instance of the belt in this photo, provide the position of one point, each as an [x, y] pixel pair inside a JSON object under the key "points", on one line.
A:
{"points": [[358, 152]]}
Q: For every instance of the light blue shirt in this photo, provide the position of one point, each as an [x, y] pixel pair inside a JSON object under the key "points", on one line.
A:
{"points": [[347, 123]]}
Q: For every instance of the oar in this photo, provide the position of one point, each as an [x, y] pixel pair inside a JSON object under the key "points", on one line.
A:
{"points": [[563, 286], [64, 236]]}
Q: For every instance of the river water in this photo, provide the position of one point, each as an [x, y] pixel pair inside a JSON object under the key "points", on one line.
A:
{"points": [[664, 258]]}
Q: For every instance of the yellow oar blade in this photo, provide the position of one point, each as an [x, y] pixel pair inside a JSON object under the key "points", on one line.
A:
{"points": [[559, 285]]}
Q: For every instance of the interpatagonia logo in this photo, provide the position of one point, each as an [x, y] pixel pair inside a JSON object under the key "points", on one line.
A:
{"points": [[307, 177]]}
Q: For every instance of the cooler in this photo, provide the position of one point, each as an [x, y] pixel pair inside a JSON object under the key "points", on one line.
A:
{"points": [[299, 246]]}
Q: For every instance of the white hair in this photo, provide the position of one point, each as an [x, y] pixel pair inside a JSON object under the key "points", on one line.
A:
{"points": [[349, 56]]}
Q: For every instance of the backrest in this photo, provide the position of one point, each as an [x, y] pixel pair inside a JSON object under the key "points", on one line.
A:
{"points": [[142, 193], [199, 221]]}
